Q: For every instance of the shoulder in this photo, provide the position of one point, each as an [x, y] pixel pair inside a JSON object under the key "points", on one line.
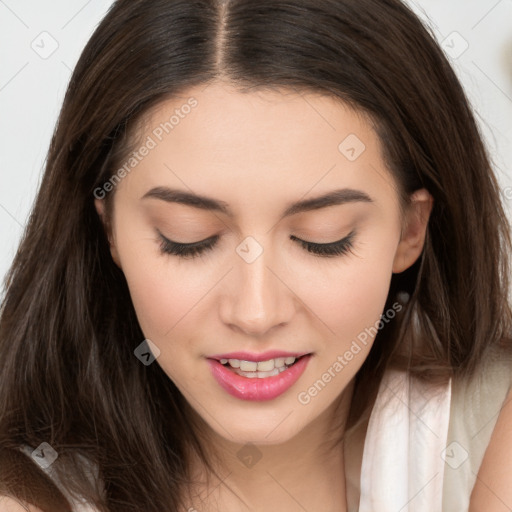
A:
{"points": [[8, 504], [493, 487]]}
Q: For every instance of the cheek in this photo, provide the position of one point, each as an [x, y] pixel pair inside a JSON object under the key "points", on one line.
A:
{"points": [[350, 295], [165, 302], [162, 297]]}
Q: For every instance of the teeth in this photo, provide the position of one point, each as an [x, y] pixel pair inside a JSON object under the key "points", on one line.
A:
{"points": [[260, 375], [248, 366], [265, 366], [255, 368], [279, 362]]}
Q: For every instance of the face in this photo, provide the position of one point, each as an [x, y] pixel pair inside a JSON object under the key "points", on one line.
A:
{"points": [[273, 272]]}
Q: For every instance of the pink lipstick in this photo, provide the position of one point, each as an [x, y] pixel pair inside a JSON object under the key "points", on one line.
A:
{"points": [[257, 388]]}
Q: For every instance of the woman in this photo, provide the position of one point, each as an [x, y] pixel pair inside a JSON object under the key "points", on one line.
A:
{"points": [[268, 247]]}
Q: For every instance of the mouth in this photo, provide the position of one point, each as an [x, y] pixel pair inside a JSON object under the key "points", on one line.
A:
{"points": [[258, 380]]}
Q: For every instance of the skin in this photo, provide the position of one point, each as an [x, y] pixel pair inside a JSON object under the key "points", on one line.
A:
{"points": [[258, 152]]}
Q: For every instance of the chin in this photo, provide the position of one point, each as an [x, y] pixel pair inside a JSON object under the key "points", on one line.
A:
{"points": [[271, 429]]}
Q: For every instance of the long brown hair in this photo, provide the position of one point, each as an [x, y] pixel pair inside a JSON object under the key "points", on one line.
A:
{"points": [[68, 327]]}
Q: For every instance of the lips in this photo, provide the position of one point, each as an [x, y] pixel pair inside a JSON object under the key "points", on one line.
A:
{"points": [[257, 388]]}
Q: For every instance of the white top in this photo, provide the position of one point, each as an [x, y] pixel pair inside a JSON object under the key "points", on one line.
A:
{"points": [[424, 444], [402, 467]]}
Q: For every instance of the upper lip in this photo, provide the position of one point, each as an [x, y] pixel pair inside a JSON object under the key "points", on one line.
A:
{"points": [[263, 356]]}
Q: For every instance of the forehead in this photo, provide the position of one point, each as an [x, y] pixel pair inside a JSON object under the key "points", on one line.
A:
{"points": [[217, 140], [222, 113]]}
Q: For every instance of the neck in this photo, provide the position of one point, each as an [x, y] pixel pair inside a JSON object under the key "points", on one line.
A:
{"points": [[305, 472]]}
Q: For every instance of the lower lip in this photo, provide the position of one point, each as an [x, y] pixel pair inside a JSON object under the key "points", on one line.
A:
{"points": [[257, 389]]}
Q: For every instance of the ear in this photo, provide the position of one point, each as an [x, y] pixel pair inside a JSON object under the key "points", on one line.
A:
{"points": [[414, 230], [99, 204]]}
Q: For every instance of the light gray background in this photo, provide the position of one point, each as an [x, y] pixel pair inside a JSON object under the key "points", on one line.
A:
{"points": [[40, 43]]}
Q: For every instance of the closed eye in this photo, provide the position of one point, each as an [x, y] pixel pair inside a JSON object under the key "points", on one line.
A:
{"points": [[331, 249], [195, 249]]}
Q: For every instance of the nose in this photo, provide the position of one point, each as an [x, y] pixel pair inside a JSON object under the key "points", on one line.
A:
{"points": [[257, 298]]}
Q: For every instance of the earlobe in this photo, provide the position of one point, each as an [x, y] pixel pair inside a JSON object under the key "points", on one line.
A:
{"points": [[99, 204], [415, 229]]}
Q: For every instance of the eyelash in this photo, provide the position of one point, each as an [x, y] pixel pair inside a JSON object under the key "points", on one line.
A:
{"points": [[193, 250]]}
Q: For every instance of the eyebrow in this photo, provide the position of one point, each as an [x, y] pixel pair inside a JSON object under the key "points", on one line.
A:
{"points": [[333, 198]]}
